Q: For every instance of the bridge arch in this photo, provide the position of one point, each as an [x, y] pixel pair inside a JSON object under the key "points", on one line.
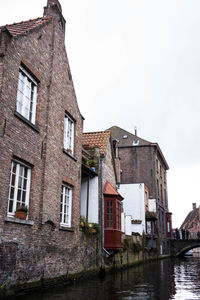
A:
{"points": [[180, 247], [186, 249]]}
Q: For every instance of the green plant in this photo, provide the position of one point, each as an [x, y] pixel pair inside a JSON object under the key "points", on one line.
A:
{"points": [[82, 221], [93, 163], [96, 227], [129, 244], [150, 215], [86, 161], [136, 247], [22, 208]]}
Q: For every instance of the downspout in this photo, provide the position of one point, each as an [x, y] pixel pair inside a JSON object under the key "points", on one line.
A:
{"points": [[102, 205]]}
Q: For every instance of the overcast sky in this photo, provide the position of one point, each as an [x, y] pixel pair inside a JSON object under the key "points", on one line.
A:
{"points": [[137, 63]]}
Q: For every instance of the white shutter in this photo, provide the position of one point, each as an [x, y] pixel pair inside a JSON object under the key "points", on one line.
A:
{"points": [[34, 104], [72, 137], [65, 131]]}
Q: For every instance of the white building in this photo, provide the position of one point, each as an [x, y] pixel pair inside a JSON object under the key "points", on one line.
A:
{"points": [[135, 200]]}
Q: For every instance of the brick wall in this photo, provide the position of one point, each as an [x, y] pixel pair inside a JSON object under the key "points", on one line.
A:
{"points": [[41, 248]]}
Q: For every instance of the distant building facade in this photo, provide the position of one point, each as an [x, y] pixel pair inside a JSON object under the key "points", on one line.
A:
{"points": [[192, 222], [143, 162]]}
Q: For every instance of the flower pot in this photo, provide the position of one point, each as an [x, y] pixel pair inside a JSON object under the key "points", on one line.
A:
{"points": [[93, 230], [20, 215]]}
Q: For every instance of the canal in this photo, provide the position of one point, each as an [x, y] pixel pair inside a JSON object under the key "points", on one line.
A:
{"points": [[160, 280]]}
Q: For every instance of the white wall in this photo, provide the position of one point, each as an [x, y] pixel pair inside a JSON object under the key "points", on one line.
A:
{"points": [[134, 204], [93, 207], [122, 222], [152, 205], [128, 225]]}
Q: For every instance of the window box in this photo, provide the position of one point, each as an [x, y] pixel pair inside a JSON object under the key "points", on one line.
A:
{"points": [[20, 215], [21, 212]]}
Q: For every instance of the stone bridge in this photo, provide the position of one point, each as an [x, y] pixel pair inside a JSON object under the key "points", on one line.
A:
{"points": [[180, 247]]}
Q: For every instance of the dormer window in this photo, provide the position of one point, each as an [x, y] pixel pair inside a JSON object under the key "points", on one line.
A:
{"points": [[26, 95]]}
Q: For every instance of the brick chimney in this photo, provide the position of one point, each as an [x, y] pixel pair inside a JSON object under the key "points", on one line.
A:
{"points": [[54, 9], [194, 205]]}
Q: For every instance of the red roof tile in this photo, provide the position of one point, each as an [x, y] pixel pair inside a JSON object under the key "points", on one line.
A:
{"points": [[96, 139], [23, 27], [110, 190]]}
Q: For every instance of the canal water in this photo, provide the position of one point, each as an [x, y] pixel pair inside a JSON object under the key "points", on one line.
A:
{"points": [[159, 280]]}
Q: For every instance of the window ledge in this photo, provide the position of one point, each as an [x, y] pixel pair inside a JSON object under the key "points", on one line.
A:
{"points": [[19, 221], [69, 154], [34, 127], [66, 228]]}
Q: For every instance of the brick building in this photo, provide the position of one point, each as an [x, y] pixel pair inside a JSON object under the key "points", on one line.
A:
{"points": [[192, 222], [41, 151], [100, 201], [143, 161]]}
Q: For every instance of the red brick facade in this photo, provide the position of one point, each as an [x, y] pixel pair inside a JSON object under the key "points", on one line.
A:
{"points": [[40, 244]]}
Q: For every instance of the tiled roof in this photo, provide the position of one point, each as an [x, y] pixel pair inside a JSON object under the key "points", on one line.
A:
{"points": [[192, 216], [110, 190], [96, 139], [23, 27], [125, 138]]}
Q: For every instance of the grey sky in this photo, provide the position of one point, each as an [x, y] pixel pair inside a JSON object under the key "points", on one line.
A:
{"points": [[137, 63]]}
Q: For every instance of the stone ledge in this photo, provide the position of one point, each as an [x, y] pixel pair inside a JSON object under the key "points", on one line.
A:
{"points": [[33, 126], [69, 154], [19, 221], [66, 228]]}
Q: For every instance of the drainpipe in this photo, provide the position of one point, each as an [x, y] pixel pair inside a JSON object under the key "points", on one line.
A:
{"points": [[102, 205]]}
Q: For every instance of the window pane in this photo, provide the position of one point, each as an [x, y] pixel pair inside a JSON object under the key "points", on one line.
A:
{"points": [[12, 193], [10, 206], [13, 180]]}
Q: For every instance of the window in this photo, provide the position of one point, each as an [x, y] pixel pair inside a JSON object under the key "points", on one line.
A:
{"points": [[19, 189], [109, 214], [118, 216], [66, 206], [113, 210], [69, 134], [26, 95]]}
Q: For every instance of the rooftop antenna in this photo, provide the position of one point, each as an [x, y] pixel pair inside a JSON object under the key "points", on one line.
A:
{"points": [[135, 141]]}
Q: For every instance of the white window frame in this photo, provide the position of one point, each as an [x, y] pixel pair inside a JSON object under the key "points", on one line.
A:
{"points": [[17, 187], [66, 206], [26, 95], [68, 134]]}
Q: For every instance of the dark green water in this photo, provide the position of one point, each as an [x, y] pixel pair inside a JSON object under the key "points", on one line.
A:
{"points": [[165, 279]]}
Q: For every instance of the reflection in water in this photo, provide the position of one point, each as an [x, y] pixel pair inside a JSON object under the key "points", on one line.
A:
{"points": [[160, 280]]}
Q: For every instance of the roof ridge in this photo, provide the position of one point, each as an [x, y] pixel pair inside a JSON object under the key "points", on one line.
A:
{"points": [[104, 131], [22, 22], [22, 27]]}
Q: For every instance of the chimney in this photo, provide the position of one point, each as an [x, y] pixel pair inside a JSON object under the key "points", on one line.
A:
{"points": [[54, 9], [135, 141], [194, 206]]}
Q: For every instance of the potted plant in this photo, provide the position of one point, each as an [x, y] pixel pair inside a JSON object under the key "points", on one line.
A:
{"points": [[21, 212], [93, 163], [69, 150]]}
